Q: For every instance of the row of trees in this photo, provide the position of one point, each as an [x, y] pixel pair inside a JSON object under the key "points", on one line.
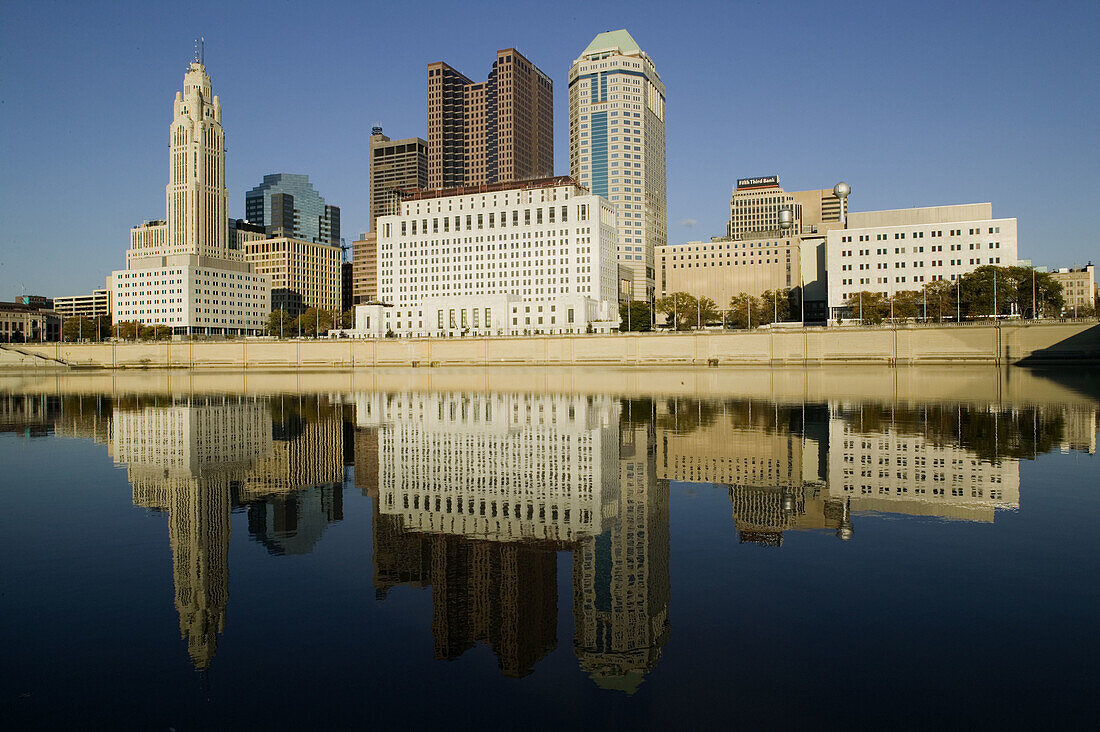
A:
{"points": [[685, 311], [310, 324], [86, 329], [988, 290]]}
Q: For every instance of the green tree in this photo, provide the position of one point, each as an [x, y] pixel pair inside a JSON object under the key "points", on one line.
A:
{"points": [[773, 302], [745, 311], [314, 322], [347, 319], [635, 316], [127, 330], [677, 307], [908, 304], [705, 311], [939, 295], [158, 332], [280, 324], [867, 307], [79, 329]]}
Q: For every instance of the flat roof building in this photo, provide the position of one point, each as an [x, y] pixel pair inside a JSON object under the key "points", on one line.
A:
{"points": [[86, 306], [538, 255], [903, 249], [1078, 287], [302, 274]]}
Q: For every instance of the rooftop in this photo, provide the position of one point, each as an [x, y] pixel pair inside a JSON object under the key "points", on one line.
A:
{"points": [[558, 180], [618, 40]]}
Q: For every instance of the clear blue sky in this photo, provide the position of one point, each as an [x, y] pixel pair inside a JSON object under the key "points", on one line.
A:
{"points": [[914, 104]]}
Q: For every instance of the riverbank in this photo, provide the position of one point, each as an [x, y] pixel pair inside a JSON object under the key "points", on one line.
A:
{"points": [[989, 344]]}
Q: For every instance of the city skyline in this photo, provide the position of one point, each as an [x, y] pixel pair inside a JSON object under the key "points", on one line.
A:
{"points": [[903, 125]]}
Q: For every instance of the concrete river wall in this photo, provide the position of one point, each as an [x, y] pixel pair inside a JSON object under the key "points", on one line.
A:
{"points": [[1006, 343]]}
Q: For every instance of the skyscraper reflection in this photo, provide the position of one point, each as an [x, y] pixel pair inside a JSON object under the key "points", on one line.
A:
{"points": [[476, 495]]}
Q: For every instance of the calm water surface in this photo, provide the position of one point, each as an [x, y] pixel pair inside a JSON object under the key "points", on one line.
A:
{"points": [[541, 549]]}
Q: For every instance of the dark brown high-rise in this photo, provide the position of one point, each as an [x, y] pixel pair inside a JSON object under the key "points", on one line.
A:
{"points": [[497, 131]]}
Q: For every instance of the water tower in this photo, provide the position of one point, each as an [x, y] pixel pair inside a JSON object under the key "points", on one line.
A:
{"points": [[842, 190]]}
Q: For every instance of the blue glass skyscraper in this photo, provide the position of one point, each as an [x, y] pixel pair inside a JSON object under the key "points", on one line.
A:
{"points": [[286, 204]]}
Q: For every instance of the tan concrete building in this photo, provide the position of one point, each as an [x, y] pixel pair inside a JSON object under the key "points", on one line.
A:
{"points": [[395, 166], [84, 306], [1078, 287], [496, 131], [722, 268], [20, 323], [302, 274]]}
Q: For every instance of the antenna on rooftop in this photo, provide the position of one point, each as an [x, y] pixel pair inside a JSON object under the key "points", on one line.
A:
{"points": [[200, 50]]}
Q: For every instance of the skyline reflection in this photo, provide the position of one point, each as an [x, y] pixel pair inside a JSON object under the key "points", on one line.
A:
{"points": [[476, 494]]}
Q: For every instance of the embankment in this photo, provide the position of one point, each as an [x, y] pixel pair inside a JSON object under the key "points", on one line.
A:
{"points": [[1003, 344]]}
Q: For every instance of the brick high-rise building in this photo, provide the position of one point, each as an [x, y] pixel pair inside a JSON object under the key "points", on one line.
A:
{"points": [[496, 131]]}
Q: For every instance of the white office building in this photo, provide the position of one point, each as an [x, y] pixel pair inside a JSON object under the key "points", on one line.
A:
{"points": [[617, 145], [505, 259], [903, 249], [184, 272]]}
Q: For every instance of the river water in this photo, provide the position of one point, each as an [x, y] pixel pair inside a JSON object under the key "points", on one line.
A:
{"points": [[537, 549]]}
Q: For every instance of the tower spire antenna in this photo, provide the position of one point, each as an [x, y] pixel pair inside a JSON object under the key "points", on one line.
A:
{"points": [[202, 50]]}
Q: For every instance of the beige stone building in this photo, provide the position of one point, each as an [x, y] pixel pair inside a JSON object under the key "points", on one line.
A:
{"points": [[722, 268], [303, 274], [495, 131], [1078, 287]]}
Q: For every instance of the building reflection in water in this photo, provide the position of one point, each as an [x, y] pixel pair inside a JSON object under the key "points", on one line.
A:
{"points": [[475, 494], [197, 458]]}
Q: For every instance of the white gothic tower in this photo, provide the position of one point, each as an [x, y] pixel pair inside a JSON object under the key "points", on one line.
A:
{"points": [[197, 197]]}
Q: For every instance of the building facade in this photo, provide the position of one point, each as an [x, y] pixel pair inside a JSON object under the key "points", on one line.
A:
{"points": [[903, 249], [20, 322], [617, 146], [756, 202], [496, 131], [84, 306], [538, 244], [722, 268], [183, 271], [395, 166], [364, 268], [286, 204], [302, 274], [1078, 287]]}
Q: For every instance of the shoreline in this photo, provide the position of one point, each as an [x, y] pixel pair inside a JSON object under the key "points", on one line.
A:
{"points": [[979, 344]]}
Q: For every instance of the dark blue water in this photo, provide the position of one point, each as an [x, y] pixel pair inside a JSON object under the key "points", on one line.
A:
{"points": [[212, 560]]}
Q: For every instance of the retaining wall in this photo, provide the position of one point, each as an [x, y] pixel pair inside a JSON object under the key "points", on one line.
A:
{"points": [[977, 344]]}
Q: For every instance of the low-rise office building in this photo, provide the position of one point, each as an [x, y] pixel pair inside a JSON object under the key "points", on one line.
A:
{"points": [[302, 274], [903, 249], [511, 248], [22, 322], [94, 305], [364, 268], [1078, 287], [724, 267]]}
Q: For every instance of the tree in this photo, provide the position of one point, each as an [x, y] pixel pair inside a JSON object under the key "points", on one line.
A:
{"points": [[706, 311], [773, 302], [635, 316], [79, 329], [939, 296], [677, 308], [314, 322], [127, 330], [868, 307], [1013, 291], [908, 304], [280, 324], [745, 311], [158, 332], [347, 319]]}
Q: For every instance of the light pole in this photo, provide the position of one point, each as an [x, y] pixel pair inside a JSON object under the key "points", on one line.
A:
{"points": [[958, 302], [1034, 302]]}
